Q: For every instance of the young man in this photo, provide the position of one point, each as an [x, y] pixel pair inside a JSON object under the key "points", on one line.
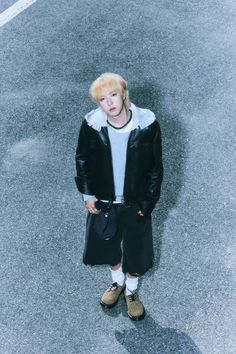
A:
{"points": [[119, 168]]}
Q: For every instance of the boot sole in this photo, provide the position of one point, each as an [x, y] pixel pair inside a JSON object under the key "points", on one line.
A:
{"points": [[139, 318], [109, 306]]}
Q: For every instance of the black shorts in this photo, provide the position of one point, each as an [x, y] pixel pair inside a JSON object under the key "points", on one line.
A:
{"points": [[132, 245]]}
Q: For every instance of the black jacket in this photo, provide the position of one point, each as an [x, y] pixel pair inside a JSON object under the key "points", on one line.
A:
{"points": [[144, 170]]}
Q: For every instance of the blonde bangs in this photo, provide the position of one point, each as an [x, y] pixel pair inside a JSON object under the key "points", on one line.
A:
{"points": [[102, 87]]}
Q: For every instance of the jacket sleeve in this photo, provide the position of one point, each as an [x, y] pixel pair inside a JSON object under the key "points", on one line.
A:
{"points": [[83, 178], [155, 175]]}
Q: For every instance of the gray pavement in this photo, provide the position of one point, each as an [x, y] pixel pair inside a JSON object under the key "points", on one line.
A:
{"points": [[179, 59]]}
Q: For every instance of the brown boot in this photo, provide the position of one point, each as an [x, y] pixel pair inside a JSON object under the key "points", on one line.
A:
{"points": [[111, 295], [136, 310]]}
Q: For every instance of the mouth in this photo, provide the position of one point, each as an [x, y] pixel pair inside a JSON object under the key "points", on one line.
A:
{"points": [[112, 109]]}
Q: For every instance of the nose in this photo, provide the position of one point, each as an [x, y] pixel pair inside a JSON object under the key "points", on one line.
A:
{"points": [[109, 101]]}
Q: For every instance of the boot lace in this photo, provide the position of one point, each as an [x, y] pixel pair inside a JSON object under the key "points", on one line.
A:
{"points": [[113, 287], [132, 297]]}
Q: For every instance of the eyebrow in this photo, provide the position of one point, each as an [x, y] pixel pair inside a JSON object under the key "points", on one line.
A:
{"points": [[109, 93]]}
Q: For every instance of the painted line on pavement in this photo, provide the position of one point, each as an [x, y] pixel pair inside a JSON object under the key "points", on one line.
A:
{"points": [[14, 10]]}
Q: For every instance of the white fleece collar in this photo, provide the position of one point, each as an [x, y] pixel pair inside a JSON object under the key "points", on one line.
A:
{"points": [[141, 117]]}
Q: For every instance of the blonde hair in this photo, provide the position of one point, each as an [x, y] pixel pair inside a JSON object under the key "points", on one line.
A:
{"points": [[109, 82]]}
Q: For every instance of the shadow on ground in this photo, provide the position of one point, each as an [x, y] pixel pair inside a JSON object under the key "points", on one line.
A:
{"points": [[149, 337]]}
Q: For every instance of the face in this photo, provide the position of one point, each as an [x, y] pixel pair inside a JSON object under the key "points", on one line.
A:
{"points": [[112, 103]]}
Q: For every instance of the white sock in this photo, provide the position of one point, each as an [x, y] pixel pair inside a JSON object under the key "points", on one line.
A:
{"points": [[131, 285], [118, 276]]}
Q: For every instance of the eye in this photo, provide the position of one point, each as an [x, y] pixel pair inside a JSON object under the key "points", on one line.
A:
{"points": [[114, 94], [101, 99]]}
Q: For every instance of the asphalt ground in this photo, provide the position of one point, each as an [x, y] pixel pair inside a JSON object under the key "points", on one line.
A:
{"points": [[179, 59]]}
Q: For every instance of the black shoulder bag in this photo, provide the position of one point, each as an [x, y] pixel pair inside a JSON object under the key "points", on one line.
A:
{"points": [[105, 223]]}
